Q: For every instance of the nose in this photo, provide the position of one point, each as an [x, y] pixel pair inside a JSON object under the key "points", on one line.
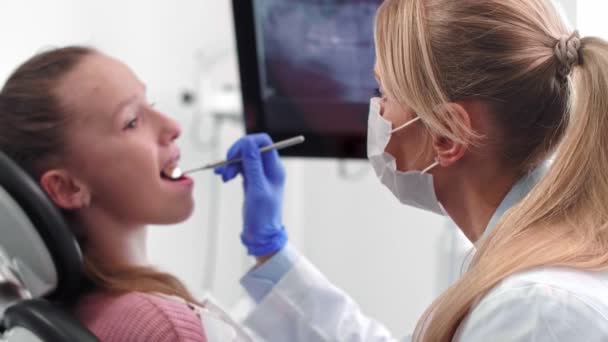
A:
{"points": [[170, 130]]}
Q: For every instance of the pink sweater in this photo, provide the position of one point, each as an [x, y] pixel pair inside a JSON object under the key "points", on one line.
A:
{"points": [[139, 317]]}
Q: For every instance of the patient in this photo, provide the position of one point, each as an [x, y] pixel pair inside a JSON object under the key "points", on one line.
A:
{"points": [[79, 122]]}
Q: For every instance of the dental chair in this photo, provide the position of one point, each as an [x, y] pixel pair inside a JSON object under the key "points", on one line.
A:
{"points": [[40, 264]]}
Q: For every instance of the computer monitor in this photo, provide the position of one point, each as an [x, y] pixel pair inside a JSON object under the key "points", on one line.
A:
{"points": [[306, 67]]}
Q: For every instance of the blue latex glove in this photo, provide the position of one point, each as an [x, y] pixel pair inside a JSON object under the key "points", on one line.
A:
{"points": [[263, 183]]}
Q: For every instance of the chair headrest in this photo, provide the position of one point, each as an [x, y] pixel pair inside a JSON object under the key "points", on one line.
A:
{"points": [[35, 236]]}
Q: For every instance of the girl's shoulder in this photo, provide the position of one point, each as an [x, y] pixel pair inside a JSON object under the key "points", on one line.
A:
{"points": [[137, 316]]}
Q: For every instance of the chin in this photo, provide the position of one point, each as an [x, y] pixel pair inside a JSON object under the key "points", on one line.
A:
{"points": [[177, 213]]}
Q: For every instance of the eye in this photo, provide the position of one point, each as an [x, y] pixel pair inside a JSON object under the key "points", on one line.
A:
{"points": [[132, 124], [377, 92]]}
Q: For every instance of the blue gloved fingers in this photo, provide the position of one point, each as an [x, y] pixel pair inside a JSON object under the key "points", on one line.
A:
{"points": [[228, 172], [253, 170], [273, 167], [246, 148], [231, 172], [235, 150]]}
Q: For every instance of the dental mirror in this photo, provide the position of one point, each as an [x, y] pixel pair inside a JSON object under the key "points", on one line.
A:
{"points": [[177, 172]]}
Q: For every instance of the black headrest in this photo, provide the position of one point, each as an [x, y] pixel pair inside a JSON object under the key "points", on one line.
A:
{"points": [[46, 321], [48, 222]]}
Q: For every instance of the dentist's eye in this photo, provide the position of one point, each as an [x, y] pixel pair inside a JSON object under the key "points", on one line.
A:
{"points": [[377, 92]]}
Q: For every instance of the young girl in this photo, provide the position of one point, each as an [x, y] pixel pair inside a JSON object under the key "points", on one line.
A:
{"points": [[79, 123], [475, 97]]}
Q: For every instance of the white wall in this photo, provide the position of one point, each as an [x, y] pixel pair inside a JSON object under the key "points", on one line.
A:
{"points": [[592, 18], [26, 26], [392, 259]]}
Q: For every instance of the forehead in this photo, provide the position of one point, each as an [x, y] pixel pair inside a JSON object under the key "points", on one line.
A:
{"points": [[98, 84]]}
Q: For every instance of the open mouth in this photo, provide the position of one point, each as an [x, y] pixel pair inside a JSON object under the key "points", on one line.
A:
{"points": [[172, 173]]}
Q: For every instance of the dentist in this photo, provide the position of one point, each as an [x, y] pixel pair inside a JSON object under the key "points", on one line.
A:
{"points": [[475, 96]]}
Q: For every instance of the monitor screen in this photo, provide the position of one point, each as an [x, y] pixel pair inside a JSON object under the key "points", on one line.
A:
{"points": [[307, 68]]}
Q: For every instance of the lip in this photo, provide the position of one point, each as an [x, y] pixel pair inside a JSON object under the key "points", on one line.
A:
{"points": [[184, 181], [171, 161]]}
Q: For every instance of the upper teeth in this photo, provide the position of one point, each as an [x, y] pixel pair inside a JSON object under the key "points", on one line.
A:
{"points": [[173, 172], [176, 173]]}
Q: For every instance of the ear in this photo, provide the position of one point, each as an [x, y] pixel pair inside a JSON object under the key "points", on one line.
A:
{"points": [[65, 190], [448, 151]]}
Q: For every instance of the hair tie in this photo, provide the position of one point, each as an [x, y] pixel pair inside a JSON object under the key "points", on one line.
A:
{"points": [[567, 52]]}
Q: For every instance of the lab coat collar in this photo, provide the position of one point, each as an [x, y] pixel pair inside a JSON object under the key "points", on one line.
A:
{"points": [[517, 193]]}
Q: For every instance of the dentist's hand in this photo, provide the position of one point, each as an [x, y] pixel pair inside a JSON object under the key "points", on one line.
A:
{"points": [[263, 181]]}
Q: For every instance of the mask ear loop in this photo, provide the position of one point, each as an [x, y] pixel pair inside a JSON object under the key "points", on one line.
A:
{"points": [[408, 124], [430, 167], [405, 124]]}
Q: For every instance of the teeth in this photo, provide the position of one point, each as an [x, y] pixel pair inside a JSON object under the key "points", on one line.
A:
{"points": [[176, 173], [173, 172]]}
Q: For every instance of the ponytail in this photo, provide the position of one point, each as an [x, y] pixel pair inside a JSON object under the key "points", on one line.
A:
{"points": [[563, 221]]}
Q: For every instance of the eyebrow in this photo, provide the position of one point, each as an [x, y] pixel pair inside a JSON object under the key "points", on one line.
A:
{"points": [[121, 106]]}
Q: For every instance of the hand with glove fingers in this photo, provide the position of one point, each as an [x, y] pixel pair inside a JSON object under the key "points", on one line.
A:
{"points": [[263, 182]]}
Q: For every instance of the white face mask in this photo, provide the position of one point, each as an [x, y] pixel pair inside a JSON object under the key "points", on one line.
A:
{"points": [[414, 188]]}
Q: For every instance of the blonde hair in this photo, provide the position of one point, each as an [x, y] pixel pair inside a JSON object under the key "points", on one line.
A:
{"points": [[506, 52]]}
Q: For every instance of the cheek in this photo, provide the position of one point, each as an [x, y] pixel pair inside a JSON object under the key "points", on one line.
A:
{"points": [[126, 187], [108, 167], [408, 145], [395, 113], [411, 148]]}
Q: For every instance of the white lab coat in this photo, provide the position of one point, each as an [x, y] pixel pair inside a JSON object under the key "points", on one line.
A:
{"points": [[548, 304], [541, 305]]}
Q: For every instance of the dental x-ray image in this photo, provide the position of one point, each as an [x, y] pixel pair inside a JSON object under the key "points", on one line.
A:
{"points": [[315, 60]]}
